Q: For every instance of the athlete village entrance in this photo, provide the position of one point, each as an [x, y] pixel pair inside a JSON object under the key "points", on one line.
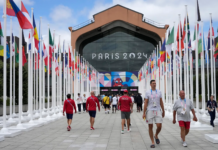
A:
{"points": [[118, 90], [117, 42]]}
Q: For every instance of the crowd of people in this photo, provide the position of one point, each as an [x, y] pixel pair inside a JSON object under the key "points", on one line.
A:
{"points": [[153, 110]]}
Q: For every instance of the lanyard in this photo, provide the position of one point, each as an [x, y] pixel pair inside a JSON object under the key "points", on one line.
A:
{"points": [[152, 95], [212, 104], [184, 102]]}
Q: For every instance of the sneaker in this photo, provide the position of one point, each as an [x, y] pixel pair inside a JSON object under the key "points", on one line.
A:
{"points": [[122, 132], [68, 128], [129, 130], [130, 124], [93, 128], [184, 144]]}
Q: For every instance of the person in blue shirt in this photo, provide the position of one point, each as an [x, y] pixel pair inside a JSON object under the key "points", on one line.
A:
{"points": [[212, 108]]}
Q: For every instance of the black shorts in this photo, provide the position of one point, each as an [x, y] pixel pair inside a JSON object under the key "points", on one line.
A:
{"points": [[106, 106], [92, 113], [114, 106], [69, 116]]}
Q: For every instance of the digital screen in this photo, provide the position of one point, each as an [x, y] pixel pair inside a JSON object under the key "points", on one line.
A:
{"points": [[104, 90], [123, 89], [133, 90], [114, 89]]}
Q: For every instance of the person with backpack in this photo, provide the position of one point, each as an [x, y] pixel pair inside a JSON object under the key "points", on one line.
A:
{"points": [[91, 107], [68, 107], [106, 101]]}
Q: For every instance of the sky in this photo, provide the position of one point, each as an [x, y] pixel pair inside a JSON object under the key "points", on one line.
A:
{"points": [[61, 14]]}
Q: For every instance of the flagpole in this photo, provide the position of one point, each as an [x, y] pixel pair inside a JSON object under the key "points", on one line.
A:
{"points": [[186, 43], [208, 90], [10, 119], [211, 57], [48, 77], [29, 88], [40, 73], [14, 113], [167, 95], [64, 68], [174, 72], [196, 67], [180, 54], [60, 76]]}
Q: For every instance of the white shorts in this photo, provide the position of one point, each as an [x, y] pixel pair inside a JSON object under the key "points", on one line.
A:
{"points": [[154, 116]]}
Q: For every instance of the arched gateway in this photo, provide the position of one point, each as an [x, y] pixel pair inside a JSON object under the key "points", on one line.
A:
{"points": [[117, 42]]}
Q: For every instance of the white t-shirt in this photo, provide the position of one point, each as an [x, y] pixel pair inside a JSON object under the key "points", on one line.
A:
{"points": [[132, 98], [84, 99], [79, 100], [153, 97], [114, 101]]}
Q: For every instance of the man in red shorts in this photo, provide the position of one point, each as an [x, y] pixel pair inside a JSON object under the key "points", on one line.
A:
{"points": [[69, 105], [182, 108], [91, 107], [125, 105]]}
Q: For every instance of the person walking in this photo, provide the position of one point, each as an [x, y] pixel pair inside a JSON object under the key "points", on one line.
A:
{"points": [[212, 108], [114, 104], [152, 111], [99, 99], [139, 102], [84, 102], [68, 107], [106, 101], [182, 108], [91, 107], [125, 104], [79, 102]]}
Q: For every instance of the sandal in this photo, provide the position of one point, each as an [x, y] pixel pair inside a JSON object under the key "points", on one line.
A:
{"points": [[152, 146], [157, 140]]}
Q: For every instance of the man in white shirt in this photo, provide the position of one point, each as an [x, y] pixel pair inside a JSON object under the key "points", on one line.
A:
{"points": [[152, 111], [114, 104], [182, 108], [79, 102]]}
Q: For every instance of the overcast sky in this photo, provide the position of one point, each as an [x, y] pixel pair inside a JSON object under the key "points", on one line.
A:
{"points": [[61, 14]]}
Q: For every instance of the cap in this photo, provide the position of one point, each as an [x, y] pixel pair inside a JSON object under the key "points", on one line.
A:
{"points": [[125, 91]]}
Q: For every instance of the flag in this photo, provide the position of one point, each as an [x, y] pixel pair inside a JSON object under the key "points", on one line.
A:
{"points": [[9, 10], [51, 45], [16, 53], [1, 41], [70, 63], [179, 39], [209, 36], [23, 49], [22, 16], [188, 30], [13, 46], [216, 49], [169, 42], [163, 51], [45, 55], [194, 38], [198, 13], [200, 44], [36, 37]]}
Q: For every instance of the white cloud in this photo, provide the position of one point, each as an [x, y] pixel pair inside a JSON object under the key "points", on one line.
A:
{"points": [[60, 13]]}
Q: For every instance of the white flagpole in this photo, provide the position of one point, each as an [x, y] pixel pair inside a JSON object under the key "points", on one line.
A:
{"points": [[74, 81], [180, 54], [174, 71], [53, 78], [14, 113], [40, 72], [211, 56], [37, 83], [43, 78], [186, 44], [196, 67], [60, 77], [68, 71], [48, 77], [10, 119], [64, 69]]}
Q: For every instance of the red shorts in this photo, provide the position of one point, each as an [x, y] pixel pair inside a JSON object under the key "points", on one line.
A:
{"points": [[184, 124]]}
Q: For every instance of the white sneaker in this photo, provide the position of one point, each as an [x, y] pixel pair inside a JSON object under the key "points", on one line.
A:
{"points": [[184, 144], [122, 132], [129, 130]]}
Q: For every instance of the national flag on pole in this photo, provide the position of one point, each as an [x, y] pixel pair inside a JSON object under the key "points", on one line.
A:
{"points": [[23, 49], [70, 64], [16, 53], [170, 41], [179, 39], [9, 10], [22, 16], [163, 52], [36, 37], [45, 55], [198, 13], [51, 45], [216, 49], [8, 51], [1, 41], [13, 45]]}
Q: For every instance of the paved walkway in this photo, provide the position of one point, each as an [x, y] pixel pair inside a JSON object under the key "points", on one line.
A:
{"points": [[105, 136]]}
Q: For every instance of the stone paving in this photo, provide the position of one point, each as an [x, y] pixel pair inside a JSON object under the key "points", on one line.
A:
{"points": [[106, 135]]}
